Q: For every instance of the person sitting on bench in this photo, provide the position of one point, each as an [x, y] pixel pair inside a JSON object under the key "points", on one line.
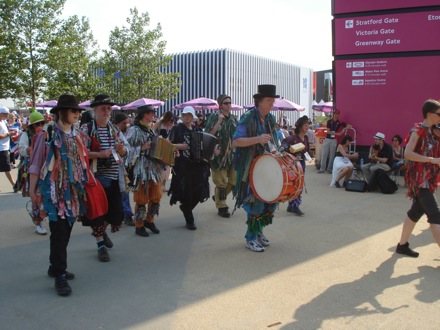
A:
{"points": [[383, 160], [342, 165]]}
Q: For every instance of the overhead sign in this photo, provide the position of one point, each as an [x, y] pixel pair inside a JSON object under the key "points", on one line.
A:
{"points": [[353, 6], [416, 31], [385, 94]]}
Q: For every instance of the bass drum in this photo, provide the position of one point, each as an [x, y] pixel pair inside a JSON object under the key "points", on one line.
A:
{"points": [[276, 178]]}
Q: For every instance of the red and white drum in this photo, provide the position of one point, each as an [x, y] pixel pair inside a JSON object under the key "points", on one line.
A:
{"points": [[276, 178]]}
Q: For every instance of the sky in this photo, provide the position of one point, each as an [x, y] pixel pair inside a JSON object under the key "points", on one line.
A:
{"points": [[292, 31]]}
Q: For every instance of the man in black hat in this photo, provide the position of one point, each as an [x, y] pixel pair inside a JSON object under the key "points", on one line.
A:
{"points": [[107, 146], [145, 172], [223, 124], [255, 135]]}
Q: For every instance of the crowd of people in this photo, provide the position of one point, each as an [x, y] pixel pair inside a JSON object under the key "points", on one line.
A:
{"points": [[58, 156]]}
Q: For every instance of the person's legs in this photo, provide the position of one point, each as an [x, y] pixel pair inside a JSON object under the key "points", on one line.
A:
{"points": [[220, 180], [366, 171], [342, 173], [10, 179], [413, 215], [332, 153], [324, 155]]}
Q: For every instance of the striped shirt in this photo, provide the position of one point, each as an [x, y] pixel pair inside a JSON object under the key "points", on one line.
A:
{"points": [[107, 167]]}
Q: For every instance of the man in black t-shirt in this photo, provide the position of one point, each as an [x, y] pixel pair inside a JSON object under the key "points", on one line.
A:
{"points": [[383, 159]]}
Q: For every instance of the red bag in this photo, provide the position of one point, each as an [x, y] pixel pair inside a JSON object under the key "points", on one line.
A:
{"points": [[96, 204]]}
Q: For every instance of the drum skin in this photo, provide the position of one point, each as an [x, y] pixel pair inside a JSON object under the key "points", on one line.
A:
{"points": [[276, 177]]}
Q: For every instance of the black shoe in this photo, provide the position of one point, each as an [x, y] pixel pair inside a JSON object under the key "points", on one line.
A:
{"points": [[297, 211], [337, 185], [103, 254], [142, 232], [152, 227], [69, 276], [191, 226], [128, 220], [224, 212], [107, 241], [404, 249], [62, 286], [213, 198]]}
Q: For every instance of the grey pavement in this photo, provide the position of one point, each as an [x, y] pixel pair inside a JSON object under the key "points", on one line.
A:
{"points": [[333, 268]]}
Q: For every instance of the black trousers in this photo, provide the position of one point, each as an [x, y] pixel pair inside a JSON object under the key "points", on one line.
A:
{"points": [[59, 239]]}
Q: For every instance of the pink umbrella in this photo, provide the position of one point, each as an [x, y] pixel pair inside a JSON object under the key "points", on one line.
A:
{"points": [[143, 101], [85, 104], [49, 104], [323, 106], [201, 102], [286, 105], [233, 107], [281, 104]]}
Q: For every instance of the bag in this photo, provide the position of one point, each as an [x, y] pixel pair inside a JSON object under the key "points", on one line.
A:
{"points": [[356, 185], [96, 204], [385, 183]]}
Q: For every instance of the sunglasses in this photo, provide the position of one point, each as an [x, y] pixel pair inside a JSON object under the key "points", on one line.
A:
{"points": [[41, 123], [227, 103], [75, 110]]}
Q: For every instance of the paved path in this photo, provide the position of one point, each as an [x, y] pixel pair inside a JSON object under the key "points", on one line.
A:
{"points": [[333, 268]]}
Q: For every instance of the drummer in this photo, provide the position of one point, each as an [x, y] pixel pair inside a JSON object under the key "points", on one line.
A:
{"points": [[255, 135]]}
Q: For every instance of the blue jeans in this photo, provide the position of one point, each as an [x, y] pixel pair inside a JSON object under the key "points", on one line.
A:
{"points": [[126, 207]]}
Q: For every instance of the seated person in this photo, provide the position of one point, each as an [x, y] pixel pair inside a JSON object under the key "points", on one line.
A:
{"points": [[398, 152], [379, 159], [342, 165]]}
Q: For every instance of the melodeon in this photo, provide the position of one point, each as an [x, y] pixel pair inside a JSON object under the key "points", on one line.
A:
{"points": [[163, 150], [202, 146]]}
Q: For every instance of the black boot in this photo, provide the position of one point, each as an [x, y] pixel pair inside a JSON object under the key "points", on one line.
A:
{"points": [[62, 286], [224, 212], [152, 227]]}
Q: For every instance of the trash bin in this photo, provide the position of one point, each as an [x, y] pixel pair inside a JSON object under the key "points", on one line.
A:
{"points": [[320, 134]]}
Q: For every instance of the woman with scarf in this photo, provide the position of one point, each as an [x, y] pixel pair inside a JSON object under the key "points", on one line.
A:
{"points": [[145, 172], [58, 174]]}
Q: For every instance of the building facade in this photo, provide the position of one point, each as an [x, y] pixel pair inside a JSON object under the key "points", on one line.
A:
{"points": [[224, 71]]}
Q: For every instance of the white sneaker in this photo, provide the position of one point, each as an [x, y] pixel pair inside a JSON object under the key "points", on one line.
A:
{"points": [[40, 229], [254, 246], [263, 240]]}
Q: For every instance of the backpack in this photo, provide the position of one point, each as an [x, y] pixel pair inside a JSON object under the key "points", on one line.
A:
{"points": [[385, 183]]}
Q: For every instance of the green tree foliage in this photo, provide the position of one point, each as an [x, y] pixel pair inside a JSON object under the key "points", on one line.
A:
{"points": [[30, 25], [69, 55], [135, 66]]}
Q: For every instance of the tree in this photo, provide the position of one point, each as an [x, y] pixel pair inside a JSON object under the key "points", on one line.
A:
{"points": [[69, 56], [135, 64], [30, 25]]}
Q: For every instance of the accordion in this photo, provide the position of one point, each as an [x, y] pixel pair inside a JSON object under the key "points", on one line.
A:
{"points": [[202, 146], [162, 150]]}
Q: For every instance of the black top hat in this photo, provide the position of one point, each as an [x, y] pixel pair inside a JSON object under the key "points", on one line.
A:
{"points": [[146, 108], [65, 102], [101, 99], [266, 91]]}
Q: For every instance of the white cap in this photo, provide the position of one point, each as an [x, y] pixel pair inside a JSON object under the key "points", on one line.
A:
{"points": [[4, 109], [189, 109]]}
